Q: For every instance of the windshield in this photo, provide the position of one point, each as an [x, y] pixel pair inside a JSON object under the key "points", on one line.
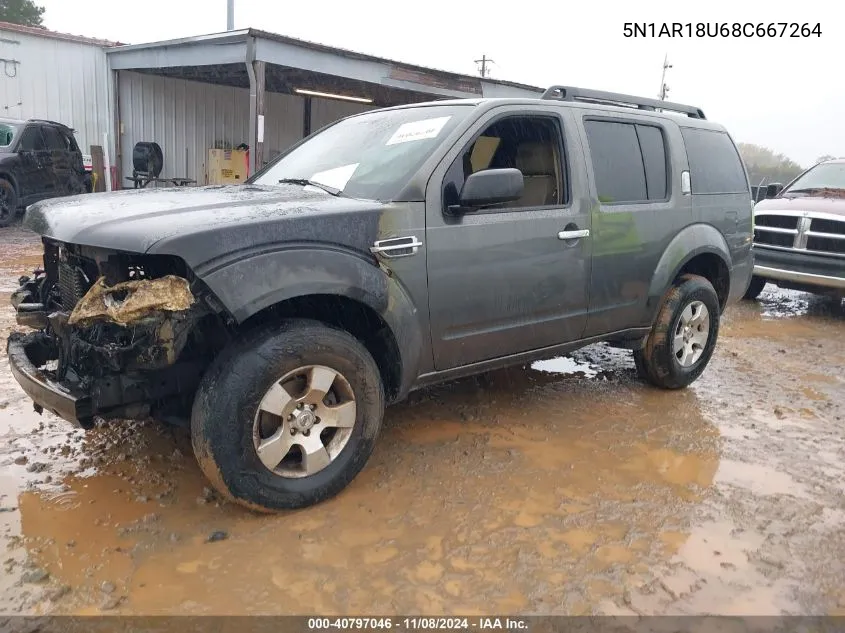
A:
{"points": [[373, 155], [818, 179], [7, 134]]}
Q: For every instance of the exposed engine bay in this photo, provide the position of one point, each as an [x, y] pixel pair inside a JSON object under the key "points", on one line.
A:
{"points": [[129, 334]]}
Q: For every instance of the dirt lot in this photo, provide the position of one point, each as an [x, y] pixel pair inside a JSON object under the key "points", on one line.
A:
{"points": [[565, 487]]}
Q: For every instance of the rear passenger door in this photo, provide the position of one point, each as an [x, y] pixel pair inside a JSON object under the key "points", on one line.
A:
{"points": [[638, 208], [501, 281]]}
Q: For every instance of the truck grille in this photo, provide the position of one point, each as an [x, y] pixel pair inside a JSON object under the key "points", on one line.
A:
{"points": [[775, 230], [800, 232], [72, 285], [826, 236]]}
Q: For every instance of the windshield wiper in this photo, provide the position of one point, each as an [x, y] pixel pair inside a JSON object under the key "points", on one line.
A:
{"points": [[311, 183]]}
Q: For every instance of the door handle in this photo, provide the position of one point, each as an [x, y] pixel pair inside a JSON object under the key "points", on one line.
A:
{"points": [[573, 235], [394, 247]]}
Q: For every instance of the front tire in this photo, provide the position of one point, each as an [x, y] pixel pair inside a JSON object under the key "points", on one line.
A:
{"points": [[8, 202], [683, 337], [287, 415], [755, 287]]}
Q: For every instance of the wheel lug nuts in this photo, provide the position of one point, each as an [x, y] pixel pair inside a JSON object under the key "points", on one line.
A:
{"points": [[293, 431], [306, 432]]}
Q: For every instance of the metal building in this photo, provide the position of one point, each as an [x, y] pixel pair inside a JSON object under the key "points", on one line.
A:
{"points": [[64, 78], [194, 94]]}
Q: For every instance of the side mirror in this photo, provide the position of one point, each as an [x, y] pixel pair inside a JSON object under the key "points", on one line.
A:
{"points": [[773, 189], [491, 186]]}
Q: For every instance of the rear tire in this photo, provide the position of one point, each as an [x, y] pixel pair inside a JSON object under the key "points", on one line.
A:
{"points": [[683, 336], [267, 401], [755, 287], [8, 203]]}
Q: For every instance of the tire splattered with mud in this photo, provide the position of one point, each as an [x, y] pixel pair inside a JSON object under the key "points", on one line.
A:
{"points": [[230, 393], [655, 362]]}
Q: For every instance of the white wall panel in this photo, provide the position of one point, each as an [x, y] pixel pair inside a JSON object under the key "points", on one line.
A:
{"points": [[186, 118], [60, 80]]}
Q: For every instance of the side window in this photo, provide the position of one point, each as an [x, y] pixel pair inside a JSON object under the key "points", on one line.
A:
{"points": [[53, 138], [31, 140], [654, 160], [531, 144], [629, 161], [714, 162]]}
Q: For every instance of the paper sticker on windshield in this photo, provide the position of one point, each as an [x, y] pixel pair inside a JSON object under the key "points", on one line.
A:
{"points": [[418, 130], [337, 177]]}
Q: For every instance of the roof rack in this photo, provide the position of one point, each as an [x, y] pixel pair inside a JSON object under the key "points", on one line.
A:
{"points": [[569, 93]]}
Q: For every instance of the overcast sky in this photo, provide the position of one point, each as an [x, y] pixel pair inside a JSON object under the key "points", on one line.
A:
{"points": [[785, 93]]}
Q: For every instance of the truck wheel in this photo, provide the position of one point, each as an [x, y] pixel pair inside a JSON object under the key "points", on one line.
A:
{"points": [[683, 337], [754, 288], [8, 202], [287, 415]]}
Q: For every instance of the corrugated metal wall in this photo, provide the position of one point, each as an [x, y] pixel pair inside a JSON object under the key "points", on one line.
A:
{"points": [[60, 80], [186, 118]]}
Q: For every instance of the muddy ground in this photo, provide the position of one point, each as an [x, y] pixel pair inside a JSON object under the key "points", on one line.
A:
{"points": [[564, 487]]}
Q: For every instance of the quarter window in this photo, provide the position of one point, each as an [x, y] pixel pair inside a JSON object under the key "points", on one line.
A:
{"points": [[53, 138], [629, 161], [715, 166]]}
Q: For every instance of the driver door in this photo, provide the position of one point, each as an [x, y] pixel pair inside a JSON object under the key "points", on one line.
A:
{"points": [[501, 280]]}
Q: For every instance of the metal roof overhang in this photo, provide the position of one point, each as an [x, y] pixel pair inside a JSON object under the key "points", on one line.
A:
{"points": [[291, 64]]}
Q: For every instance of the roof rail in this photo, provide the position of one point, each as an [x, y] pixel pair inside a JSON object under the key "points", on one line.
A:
{"points": [[569, 93], [49, 122]]}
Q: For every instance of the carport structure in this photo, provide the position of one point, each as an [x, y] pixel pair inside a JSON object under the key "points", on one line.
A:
{"points": [[266, 89]]}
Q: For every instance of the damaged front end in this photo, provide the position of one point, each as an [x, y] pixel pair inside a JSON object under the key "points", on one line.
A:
{"points": [[119, 335]]}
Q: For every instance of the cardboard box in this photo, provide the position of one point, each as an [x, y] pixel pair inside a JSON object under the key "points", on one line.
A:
{"points": [[227, 166]]}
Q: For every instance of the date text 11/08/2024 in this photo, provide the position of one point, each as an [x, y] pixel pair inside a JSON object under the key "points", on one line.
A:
{"points": [[721, 29], [418, 623]]}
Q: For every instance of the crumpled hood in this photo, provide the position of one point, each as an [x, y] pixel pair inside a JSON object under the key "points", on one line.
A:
{"points": [[221, 217], [800, 204]]}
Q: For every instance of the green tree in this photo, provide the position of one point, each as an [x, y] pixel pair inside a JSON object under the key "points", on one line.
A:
{"points": [[825, 157], [24, 12], [764, 164]]}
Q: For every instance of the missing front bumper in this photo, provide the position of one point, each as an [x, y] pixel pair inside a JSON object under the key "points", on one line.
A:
{"points": [[28, 354]]}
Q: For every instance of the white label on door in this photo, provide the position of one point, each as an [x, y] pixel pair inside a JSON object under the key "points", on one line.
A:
{"points": [[418, 130]]}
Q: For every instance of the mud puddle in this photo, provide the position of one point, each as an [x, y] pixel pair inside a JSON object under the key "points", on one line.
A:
{"points": [[566, 486]]}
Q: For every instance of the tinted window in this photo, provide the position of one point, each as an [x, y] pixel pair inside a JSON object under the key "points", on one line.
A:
{"points": [[654, 159], [531, 144], [617, 161], [31, 140], [53, 138], [629, 161], [715, 166]]}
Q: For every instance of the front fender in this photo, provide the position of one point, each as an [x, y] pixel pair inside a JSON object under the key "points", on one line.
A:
{"points": [[250, 284], [693, 240]]}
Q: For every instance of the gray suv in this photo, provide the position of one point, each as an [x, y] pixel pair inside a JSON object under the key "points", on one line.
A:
{"points": [[389, 251]]}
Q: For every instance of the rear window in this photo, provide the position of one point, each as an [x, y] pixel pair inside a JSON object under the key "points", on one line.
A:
{"points": [[715, 166]]}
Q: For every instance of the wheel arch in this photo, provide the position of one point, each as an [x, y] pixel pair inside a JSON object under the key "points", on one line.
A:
{"points": [[334, 287], [699, 249]]}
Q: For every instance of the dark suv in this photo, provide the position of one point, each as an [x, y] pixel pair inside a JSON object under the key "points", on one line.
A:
{"points": [[38, 160], [799, 234], [389, 251]]}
